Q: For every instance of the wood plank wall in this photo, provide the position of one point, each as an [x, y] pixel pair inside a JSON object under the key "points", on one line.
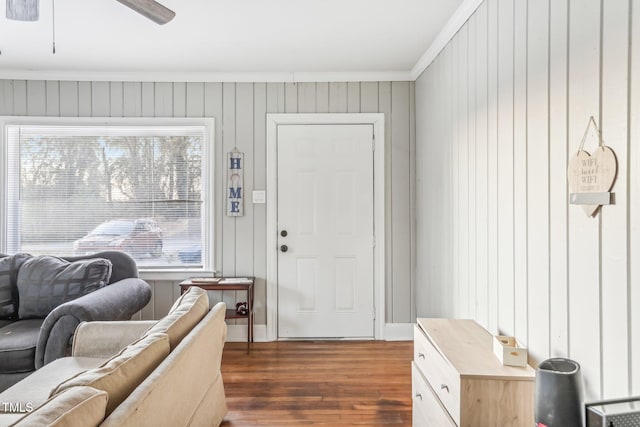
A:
{"points": [[239, 110], [499, 113]]}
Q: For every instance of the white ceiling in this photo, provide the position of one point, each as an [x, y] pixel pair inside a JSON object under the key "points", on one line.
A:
{"points": [[225, 36]]}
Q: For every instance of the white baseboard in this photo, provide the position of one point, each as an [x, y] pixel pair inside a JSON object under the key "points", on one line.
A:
{"points": [[398, 332], [392, 332], [238, 333]]}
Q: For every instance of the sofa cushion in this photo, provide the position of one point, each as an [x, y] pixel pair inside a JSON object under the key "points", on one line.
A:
{"points": [[186, 312], [9, 267], [179, 386], [36, 388], [18, 345], [45, 282], [121, 374], [75, 407]]}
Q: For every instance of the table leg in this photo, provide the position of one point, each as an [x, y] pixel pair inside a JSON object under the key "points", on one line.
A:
{"points": [[250, 318]]}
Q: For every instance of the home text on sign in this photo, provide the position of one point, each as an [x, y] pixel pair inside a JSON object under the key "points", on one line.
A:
{"points": [[235, 172]]}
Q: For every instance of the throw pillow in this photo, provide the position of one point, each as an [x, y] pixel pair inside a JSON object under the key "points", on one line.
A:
{"points": [[121, 374], [45, 282], [9, 267], [77, 407]]}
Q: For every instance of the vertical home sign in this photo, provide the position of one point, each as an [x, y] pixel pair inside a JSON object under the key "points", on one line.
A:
{"points": [[235, 177]]}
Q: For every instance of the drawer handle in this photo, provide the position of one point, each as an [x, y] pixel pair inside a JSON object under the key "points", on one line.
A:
{"points": [[421, 356], [418, 396], [444, 387]]}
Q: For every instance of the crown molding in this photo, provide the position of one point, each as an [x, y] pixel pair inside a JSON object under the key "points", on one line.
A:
{"points": [[457, 20], [186, 76]]}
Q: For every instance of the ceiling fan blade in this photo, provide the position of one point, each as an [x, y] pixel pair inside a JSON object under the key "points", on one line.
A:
{"points": [[23, 10], [151, 9]]}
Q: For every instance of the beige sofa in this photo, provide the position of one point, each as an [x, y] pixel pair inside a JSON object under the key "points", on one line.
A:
{"points": [[131, 373]]}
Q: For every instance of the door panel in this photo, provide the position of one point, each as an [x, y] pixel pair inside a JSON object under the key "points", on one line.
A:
{"points": [[346, 272], [325, 204], [307, 196], [306, 297]]}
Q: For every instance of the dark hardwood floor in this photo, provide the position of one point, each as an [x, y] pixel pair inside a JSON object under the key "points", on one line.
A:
{"points": [[330, 383]]}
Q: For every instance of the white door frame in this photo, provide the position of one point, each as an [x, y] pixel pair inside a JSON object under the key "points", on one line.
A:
{"points": [[275, 120]]}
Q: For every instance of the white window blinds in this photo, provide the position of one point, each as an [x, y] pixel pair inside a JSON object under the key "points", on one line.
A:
{"points": [[85, 189]]}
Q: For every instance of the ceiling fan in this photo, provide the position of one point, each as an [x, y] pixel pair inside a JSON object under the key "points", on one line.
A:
{"points": [[28, 10]]}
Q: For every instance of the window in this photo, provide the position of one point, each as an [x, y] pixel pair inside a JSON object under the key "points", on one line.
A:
{"points": [[81, 188]]}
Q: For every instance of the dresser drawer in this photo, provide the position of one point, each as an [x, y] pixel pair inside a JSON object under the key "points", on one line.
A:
{"points": [[427, 409], [443, 378]]}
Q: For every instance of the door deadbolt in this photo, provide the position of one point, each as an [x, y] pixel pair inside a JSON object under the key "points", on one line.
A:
{"points": [[284, 233], [284, 248]]}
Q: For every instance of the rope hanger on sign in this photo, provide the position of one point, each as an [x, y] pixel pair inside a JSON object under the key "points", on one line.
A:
{"points": [[586, 132]]}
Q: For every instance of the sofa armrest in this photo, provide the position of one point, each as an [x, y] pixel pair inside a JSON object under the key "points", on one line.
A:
{"points": [[104, 339], [117, 301]]}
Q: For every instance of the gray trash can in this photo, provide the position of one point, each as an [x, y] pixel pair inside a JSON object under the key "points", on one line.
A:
{"points": [[559, 395]]}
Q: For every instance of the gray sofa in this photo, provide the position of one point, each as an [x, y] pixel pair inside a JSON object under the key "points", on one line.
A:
{"points": [[29, 341]]}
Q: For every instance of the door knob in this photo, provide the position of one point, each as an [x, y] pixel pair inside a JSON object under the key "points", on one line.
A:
{"points": [[284, 233], [284, 248]]}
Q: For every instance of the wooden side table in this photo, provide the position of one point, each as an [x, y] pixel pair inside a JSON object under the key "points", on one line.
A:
{"points": [[231, 313]]}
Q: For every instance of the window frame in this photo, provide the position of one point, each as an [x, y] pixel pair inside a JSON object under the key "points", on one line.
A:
{"points": [[208, 182]]}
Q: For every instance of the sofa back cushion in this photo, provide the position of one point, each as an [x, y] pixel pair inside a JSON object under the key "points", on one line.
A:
{"points": [[121, 374], [9, 266], [76, 407], [45, 282], [185, 314], [185, 382]]}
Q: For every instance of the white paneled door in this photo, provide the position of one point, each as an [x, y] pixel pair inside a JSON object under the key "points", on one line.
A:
{"points": [[325, 231]]}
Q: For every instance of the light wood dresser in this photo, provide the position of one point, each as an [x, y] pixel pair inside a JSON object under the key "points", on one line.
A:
{"points": [[458, 381]]}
